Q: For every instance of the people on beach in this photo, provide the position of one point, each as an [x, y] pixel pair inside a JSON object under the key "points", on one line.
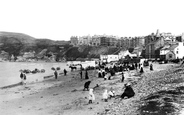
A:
{"points": [[86, 75], [91, 96], [151, 67], [56, 74], [136, 66], [139, 65], [81, 74], [106, 76], [65, 72], [123, 77], [103, 73], [111, 93], [128, 92], [86, 85], [99, 73], [141, 69], [105, 95], [22, 77]]}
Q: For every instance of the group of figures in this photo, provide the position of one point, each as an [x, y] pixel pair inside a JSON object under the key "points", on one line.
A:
{"points": [[106, 95], [56, 73], [26, 71], [107, 73]]}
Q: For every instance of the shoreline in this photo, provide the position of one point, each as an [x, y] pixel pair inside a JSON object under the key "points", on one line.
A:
{"points": [[10, 72]]}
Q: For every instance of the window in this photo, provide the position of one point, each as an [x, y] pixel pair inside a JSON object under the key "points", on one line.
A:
{"points": [[170, 55], [177, 52]]}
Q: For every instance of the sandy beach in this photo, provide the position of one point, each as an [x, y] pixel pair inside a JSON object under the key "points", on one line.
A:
{"points": [[65, 96]]}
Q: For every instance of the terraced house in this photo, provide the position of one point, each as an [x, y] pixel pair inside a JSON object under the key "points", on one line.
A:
{"points": [[156, 43]]}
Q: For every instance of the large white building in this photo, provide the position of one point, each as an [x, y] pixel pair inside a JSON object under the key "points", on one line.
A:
{"points": [[170, 52], [109, 58]]}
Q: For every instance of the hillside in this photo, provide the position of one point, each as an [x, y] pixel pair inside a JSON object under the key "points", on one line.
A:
{"points": [[75, 53], [18, 43], [11, 37]]}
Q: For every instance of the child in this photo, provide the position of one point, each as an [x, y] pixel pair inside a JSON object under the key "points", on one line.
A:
{"points": [[91, 96], [105, 95], [111, 93]]}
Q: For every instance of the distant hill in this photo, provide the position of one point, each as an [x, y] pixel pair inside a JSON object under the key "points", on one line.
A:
{"points": [[18, 43], [11, 37]]}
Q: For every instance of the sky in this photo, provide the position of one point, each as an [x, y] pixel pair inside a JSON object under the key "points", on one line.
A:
{"points": [[61, 19]]}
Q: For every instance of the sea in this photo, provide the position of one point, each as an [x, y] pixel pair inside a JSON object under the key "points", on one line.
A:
{"points": [[10, 71]]}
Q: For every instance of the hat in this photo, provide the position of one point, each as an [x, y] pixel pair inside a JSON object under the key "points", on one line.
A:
{"points": [[128, 84]]}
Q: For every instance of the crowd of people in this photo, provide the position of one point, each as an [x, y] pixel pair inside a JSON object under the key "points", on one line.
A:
{"points": [[107, 72]]}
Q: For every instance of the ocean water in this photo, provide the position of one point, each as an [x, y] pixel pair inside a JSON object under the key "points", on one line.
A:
{"points": [[10, 74]]}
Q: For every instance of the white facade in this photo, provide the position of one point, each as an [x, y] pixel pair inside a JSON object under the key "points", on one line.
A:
{"points": [[165, 50], [112, 58], [123, 54], [179, 50], [109, 58], [103, 58]]}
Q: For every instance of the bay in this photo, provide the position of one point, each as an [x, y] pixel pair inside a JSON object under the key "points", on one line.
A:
{"points": [[10, 74]]}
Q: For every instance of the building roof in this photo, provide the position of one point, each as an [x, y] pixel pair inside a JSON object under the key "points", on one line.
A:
{"points": [[166, 47], [170, 52], [173, 47]]}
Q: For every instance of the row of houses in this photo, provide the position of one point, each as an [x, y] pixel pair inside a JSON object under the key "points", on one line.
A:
{"points": [[168, 52], [164, 46], [156, 44], [105, 40]]}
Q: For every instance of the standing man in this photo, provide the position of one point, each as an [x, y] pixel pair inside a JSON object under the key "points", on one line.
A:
{"points": [[65, 72], [55, 74], [151, 67], [81, 74], [123, 77], [22, 77], [86, 75]]}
